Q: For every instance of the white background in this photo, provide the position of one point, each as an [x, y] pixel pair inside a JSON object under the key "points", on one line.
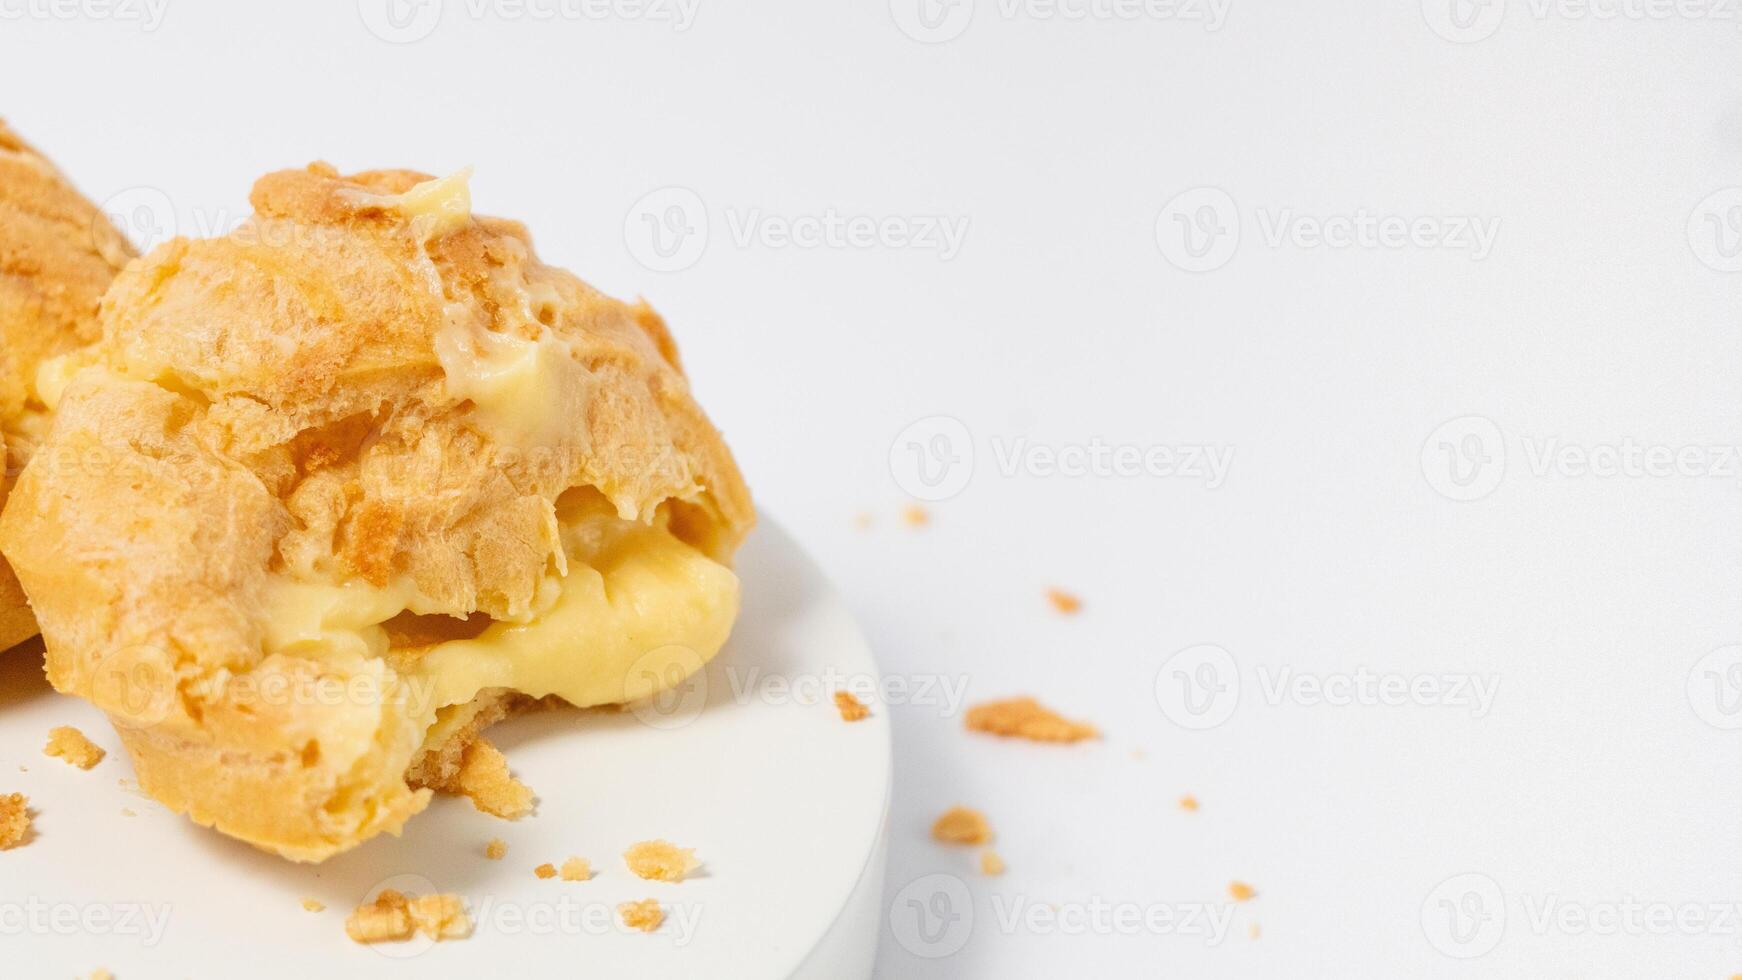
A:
{"points": [[1589, 142]]}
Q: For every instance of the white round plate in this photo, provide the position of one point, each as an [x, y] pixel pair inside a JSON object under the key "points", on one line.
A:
{"points": [[784, 803]]}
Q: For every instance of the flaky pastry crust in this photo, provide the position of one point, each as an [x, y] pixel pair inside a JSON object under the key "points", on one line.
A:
{"points": [[57, 256], [274, 403]]}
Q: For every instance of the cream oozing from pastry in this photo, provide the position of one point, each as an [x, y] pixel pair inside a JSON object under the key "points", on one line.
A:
{"points": [[625, 610], [636, 612]]}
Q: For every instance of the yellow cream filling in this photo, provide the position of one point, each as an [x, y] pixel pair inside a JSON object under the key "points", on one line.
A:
{"points": [[637, 612], [523, 392]]}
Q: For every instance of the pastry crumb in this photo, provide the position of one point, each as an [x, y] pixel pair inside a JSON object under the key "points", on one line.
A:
{"points": [[576, 869], [496, 849], [485, 780], [850, 707], [392, 918], [128, 812], [101, 974], [916, 516], [387, 919], [546, 870], [1063, 601], [1027, 718], [1252, 931], [961, 825], [658, 860], [1188, 803], [862, 520], [991, 863], [1240, 891], [312, 905], [645, 915], [70, 744], [14, 820], [440, 917]]}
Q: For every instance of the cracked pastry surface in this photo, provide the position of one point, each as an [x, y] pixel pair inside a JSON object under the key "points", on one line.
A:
{"points": [[334, 491], [57, 256]]}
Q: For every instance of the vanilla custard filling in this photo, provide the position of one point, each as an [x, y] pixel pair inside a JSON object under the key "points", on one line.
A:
{"points": [[636, 612]]}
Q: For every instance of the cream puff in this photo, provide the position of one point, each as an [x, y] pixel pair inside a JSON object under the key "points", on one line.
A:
{"points": [[335, 490], [57, 256]]}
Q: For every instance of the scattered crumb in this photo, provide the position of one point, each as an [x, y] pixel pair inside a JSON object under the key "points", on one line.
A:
{"points": [[392, 917], [658, 860], [850, 707], [1063, 601], [310, 905], [1240, 891], [387, 918], [916, 516], [484, 779], [440, 917], [1139, 754], [645, 915], [128, 812], [14, 820], [991, 863], [1188, 803], [1027, 718], [960, 825], [862, 520], [546, 870], [577, 869], [496, 849], [71, 744], [101, 974], [1252, 931]]}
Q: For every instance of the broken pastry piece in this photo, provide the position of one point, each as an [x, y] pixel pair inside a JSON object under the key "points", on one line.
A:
{"points": [[658, 860], [393, 917], [334, 491], [1027, 718], [70, 744], [645, 915], [14, 820], [57, 255], [962, 825]]}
